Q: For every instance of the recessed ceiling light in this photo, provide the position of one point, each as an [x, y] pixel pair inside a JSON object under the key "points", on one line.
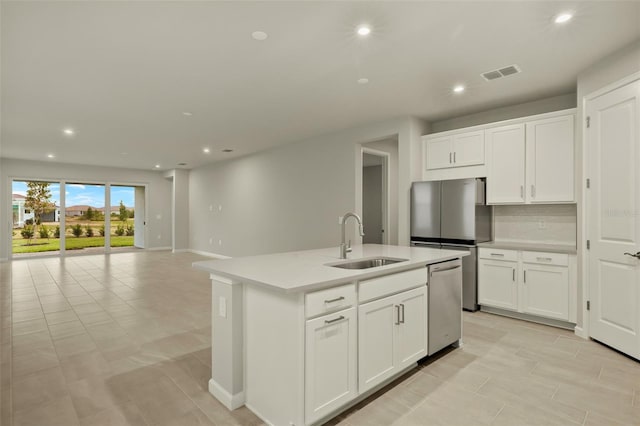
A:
{"points": [[68, 132], [363, 80], [259, 35], [51, 156], [227, 150], [187, 114], [363, 30], [182, 164], [563, 17], [123, 153], [458, 89], [157, 166], [206, 150]]}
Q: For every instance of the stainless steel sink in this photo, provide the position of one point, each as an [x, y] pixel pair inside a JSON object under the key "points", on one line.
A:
{"points": [[367, 263]]}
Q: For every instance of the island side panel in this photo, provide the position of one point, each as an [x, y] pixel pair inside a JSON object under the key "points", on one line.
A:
{"points": [[274, 350], [227, 376]]}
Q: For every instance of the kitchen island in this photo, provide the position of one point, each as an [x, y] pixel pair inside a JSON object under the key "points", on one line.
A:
{"points": [[297, 337]]}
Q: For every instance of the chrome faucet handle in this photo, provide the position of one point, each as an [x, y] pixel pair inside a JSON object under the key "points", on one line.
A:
{"points": [[349, 249]]}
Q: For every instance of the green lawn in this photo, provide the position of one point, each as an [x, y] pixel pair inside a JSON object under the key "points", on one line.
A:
{"points": [[73, 243]]}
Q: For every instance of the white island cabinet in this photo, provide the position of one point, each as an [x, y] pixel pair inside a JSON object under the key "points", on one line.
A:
{"points": [[298, 340]]}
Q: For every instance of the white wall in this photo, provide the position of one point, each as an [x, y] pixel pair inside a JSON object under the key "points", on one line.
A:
{"points": [[158, 230], [540, 106], [603, 73], [290, 197]]}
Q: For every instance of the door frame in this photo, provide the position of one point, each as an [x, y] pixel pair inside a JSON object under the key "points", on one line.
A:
{"points": [[583, 253], [385, 156]]}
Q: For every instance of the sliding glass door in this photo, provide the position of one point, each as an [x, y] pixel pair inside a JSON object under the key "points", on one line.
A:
{"points": [[84, 218]]}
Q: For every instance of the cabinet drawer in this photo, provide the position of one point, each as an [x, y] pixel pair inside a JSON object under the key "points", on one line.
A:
{"points": [[561, 259], [497, 254], [391, 284], [330, 300]]}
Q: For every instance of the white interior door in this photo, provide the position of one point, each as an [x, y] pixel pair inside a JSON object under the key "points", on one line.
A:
{"points": [[613, 209]]}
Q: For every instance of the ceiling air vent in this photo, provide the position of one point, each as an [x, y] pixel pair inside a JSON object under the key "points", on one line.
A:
{"points": [[502, 72]]}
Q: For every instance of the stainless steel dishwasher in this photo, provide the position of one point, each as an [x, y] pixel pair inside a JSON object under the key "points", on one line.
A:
{"points": [[445, 304]]}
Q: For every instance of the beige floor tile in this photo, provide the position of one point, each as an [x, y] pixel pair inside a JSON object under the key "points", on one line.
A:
{"points": [[126, 414], [25, 306], [603, 401], [66, 329], [32, 326], [60, 317], [26, 343], [84, 365], [74, 345], [59, 412], [28, 315], [38, 388], [33, 361]]}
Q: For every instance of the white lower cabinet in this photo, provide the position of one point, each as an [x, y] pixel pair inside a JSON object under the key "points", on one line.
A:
{"points": [[545, 290], [392, 334], [331, 363], [535, 283], [497, 285]]}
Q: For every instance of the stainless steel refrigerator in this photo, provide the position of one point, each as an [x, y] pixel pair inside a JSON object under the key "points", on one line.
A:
{"points": [[452, 214]]}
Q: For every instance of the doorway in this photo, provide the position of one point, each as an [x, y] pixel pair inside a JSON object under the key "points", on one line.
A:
{"points": [[612, 140], [375, 196]]}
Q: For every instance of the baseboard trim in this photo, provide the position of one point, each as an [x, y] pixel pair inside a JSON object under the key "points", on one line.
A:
{"points": [[531, 318], [158, 248], [209, 254], [230, 401], [579, 331], [180, 250]]}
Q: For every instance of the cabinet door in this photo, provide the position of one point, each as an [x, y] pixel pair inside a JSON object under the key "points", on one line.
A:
{"points": [[545, 290], [550, 160], [506, 167], [468, 149], [412, 330], [497, 285], [377, 323], [438, 153], [330, 371]]}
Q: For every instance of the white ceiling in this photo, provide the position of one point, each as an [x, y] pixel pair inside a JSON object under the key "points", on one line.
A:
{"points": [[122, 73]]}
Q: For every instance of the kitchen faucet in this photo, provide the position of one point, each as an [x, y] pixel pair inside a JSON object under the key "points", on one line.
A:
{"points": [[346, 248]]}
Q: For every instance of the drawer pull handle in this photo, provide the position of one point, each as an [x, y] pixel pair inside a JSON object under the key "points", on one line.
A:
{"points": [[402, 311], [340, 318], [397, 314], [514, 275], [337, 299], [497, 254], [544, 259]]}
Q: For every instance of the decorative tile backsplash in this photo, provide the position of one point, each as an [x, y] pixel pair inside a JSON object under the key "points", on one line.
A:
{"points": [[548, 224]]}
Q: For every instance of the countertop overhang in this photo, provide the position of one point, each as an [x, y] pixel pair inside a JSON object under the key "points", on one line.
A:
{"points": [[302, 271]]}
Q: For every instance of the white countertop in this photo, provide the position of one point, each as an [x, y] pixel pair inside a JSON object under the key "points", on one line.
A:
{"points": [[302, 271], [518, 245]]}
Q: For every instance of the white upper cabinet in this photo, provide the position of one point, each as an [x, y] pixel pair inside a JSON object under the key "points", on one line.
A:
{"points": [[506, 168], [532, 162], [458, 150], [550, 151]]}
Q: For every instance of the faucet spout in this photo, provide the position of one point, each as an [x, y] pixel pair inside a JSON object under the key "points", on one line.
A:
{"points": [[346, 248]]}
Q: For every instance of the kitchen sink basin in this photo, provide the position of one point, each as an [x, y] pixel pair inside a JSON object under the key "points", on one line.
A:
{"points": [[367, 263]]}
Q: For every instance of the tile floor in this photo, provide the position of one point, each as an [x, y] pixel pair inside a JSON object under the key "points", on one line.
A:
{"points": [[125, 340]]}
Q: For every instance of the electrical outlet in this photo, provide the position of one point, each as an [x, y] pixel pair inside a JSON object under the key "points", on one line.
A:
{"points": [[219, 242], [210, 241], [210, 207], [159, 236], [219, 207], [222, 307], [340, 220]]}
